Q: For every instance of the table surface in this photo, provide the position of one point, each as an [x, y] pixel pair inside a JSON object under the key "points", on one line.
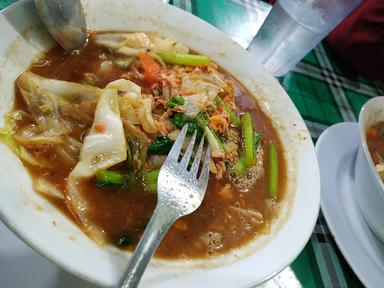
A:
{"points": [[325, 93]]}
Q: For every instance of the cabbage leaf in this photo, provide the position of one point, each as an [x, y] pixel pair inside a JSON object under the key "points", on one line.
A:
{"points": [[100, 150]]}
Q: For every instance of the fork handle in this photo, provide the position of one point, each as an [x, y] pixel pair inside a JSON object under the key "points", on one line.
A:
{"points": [[161, 221]]}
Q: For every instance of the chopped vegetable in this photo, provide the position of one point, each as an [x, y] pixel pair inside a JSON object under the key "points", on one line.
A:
{"points": [[175, 101], [161, 146], [180, 119], [185, 59], [253, 215], [372, 133], [273, 171], [144, 113], [130, 175], [151, 68], [214, 141], [194, 104], [258, 138], [105, 177], [99, 127], [90, 79], [249, 139], [233, 118], [123, 62], [143, 153], [151, 180], [240, 168]]}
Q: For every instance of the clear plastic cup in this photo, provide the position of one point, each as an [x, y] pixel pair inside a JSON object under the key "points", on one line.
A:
{"points": [[293, 28]]}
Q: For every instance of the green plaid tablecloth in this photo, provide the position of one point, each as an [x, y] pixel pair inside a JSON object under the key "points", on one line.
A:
{"points": [[325, 93]]}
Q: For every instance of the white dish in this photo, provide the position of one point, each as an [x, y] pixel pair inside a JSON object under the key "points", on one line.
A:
{"points": [[369, 186], [19, 266], [49, 232], [336, 150]]}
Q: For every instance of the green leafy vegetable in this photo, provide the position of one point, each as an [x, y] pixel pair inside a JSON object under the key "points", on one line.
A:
{"points": [[185, 59], [175, 101], [233, 118], [161, 146], [273, 171], [180, 119]]}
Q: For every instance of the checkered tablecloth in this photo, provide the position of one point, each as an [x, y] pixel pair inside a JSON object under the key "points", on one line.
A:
{"points": [[325, 93]]}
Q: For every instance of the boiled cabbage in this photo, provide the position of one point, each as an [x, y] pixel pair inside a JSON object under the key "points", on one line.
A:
{"points": [[100, 150]]}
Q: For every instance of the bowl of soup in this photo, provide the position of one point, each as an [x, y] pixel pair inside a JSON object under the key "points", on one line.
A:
{"points": [[84, 135], [369, 165]]}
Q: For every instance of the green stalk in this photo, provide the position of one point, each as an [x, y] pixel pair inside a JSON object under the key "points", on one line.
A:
{"points": [[143, 148], [151, 180], [240, 168], [249, 139], [214, 141], [258, 138], [105, 177], [233, 118], [175, 101], [273, 171], [185, 59]]}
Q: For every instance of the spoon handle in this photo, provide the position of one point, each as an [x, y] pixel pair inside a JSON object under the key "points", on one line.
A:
{"points": [[161, 221]]}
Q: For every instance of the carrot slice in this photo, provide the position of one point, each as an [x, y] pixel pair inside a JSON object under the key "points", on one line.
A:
{"points": [[99, 127], [151, 68], [372, 133]]}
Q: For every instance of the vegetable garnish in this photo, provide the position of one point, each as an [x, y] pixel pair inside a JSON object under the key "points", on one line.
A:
{"points": [[180, 119], [105, 177], [99, 127], [240, 168], [151, 68], [258, 138], [161, 146], [151, 180], [233, 118], [249, 139], [175, 101], [273, 170], [185, 59], [372, 133]]}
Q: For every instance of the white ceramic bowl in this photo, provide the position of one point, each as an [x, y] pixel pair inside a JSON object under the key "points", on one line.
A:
{"points": [[369, 186], [49, 232]]}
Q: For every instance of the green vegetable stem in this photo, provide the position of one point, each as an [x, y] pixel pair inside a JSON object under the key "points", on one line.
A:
{"points": [[175, 101], [233, 118], [273, 171], [185, 59], [151, 180], [249, 139]]}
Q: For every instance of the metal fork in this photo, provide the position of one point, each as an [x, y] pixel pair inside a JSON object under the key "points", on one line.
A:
{"points": [[179, 192]]}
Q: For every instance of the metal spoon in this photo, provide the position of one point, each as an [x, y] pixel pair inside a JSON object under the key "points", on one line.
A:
{"points": [[65, 20]]}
